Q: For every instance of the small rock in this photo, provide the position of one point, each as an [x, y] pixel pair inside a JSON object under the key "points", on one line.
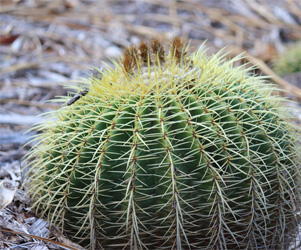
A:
{"points": [[113, 52], [7, 193]]}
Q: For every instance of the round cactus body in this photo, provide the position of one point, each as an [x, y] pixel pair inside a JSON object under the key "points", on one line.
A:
{"points": [[170, 151]]}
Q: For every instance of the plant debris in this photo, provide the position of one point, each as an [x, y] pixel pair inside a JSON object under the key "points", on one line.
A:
{"points": [[44, 44]]}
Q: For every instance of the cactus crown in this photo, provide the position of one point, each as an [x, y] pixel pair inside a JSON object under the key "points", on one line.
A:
{"points": [[170, 150], [146, 67]]}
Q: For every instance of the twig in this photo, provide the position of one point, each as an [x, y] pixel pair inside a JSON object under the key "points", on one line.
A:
{"points": [[20, 119], [21, 66], [29, 103], [267, 70], [38, 238]]}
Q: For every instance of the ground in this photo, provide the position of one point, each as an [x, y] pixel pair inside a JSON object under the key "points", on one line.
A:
{"points": [[45, 44]]}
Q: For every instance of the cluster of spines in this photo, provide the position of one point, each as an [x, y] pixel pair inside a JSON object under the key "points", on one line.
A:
{"points": [[242, 100], [152, 52]]}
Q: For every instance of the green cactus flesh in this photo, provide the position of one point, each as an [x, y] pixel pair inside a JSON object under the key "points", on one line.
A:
{"points": [[195, 154]]}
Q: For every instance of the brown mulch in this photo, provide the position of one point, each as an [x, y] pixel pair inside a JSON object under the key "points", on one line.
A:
{"points": [[44, 44]]}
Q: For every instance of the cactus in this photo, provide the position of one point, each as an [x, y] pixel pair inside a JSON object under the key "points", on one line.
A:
{"points": [[170, 150], [289, 62]]}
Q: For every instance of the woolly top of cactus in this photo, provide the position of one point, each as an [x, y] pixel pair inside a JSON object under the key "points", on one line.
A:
{"points": [[156, 68]]}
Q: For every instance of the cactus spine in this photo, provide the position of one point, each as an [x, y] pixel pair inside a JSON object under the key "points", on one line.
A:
{"points": [[170, 151]]}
